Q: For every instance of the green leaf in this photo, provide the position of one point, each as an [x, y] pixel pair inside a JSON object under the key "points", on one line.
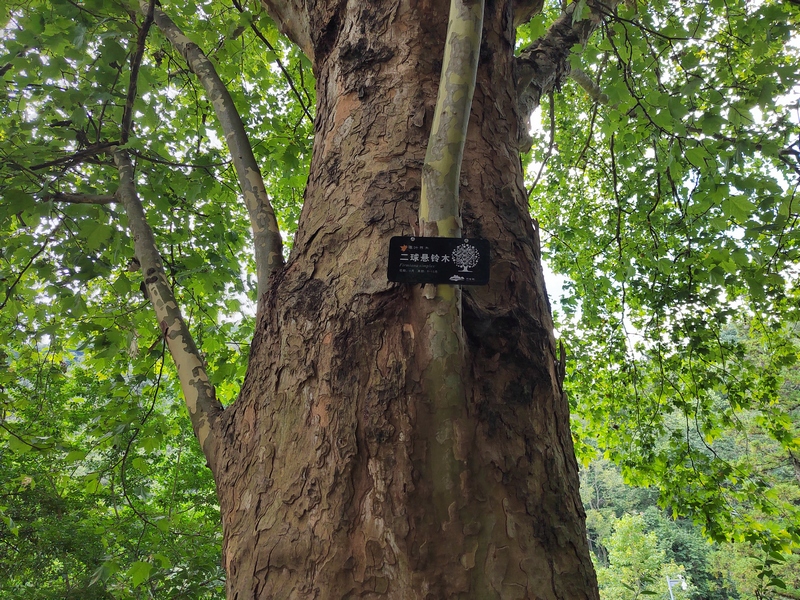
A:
{"points": [[99, 234], [75, 456], [104, 571], [163, 561], [697, 156], [15, 201], [18, 445], [677, 108], [577, 14], [738, 207], [139, 572], [712, 123]]}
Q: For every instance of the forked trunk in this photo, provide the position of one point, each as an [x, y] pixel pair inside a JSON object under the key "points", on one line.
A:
{"points": [[327, 470]]}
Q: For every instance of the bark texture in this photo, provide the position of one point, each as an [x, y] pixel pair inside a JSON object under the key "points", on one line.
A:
{"points": [[440, 215], [329, 459]]}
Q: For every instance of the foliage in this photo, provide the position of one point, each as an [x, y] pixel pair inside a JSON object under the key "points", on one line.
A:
{"points": [[103, 495], [637, 566], [670, 203], [716, 571], [103, 491], [64, 90], [740, 564]]}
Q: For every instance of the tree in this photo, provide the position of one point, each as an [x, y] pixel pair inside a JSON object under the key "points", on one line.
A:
{"points": [[387, 439], [637, 567], [636, 545]]}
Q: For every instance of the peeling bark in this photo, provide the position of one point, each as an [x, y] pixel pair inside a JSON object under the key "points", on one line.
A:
{"points": [[292, 19], [439, 209], [590, 87], [525, 10], [326, 483], [266, 235], [198, 392]]}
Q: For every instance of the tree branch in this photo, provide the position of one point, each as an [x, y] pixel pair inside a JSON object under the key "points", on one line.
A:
{"points": [[198, 392], [266, 235], [76, 158], [80, 198], [171, 163], [439, 215], [544, 65], [136, 62], [524, 10], [439, 210], [595, 92]]}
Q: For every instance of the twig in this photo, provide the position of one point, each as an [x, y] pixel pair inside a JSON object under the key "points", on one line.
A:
{"points": [[550, 146], [286, 74], [76, 158], [24, 441], [169, 163], [135, 434]]}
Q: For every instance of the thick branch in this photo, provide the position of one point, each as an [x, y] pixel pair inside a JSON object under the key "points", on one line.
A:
{"points": [[292, 19], [524, 10], [595, 92], [198, 391], [266, 235], [439, 215], [544, 65]]}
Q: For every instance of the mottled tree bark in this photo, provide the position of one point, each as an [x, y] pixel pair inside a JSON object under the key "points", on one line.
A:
{"points": [[326, 465], [267, 241], [198, 392]]}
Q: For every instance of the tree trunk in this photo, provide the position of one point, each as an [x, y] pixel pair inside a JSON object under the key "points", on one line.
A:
{"points": [[327, 470]]}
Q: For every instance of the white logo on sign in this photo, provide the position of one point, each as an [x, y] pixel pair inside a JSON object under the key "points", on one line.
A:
{"points": [[465, 256]]}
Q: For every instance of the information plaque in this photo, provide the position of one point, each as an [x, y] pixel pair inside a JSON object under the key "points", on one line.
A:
{"points": [[458, 261]]}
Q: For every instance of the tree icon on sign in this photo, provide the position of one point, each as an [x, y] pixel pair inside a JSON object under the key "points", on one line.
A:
{"points": [[465, 256]]}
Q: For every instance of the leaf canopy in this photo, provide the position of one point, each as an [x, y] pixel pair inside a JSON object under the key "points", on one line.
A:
{"points": [[670, 205]]}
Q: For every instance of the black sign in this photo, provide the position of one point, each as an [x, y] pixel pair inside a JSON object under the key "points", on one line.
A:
{"points": [[459, 261]]}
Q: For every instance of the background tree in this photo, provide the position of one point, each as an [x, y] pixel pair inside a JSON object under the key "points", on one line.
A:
{"points": [[102, 496], [637, 566]]}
